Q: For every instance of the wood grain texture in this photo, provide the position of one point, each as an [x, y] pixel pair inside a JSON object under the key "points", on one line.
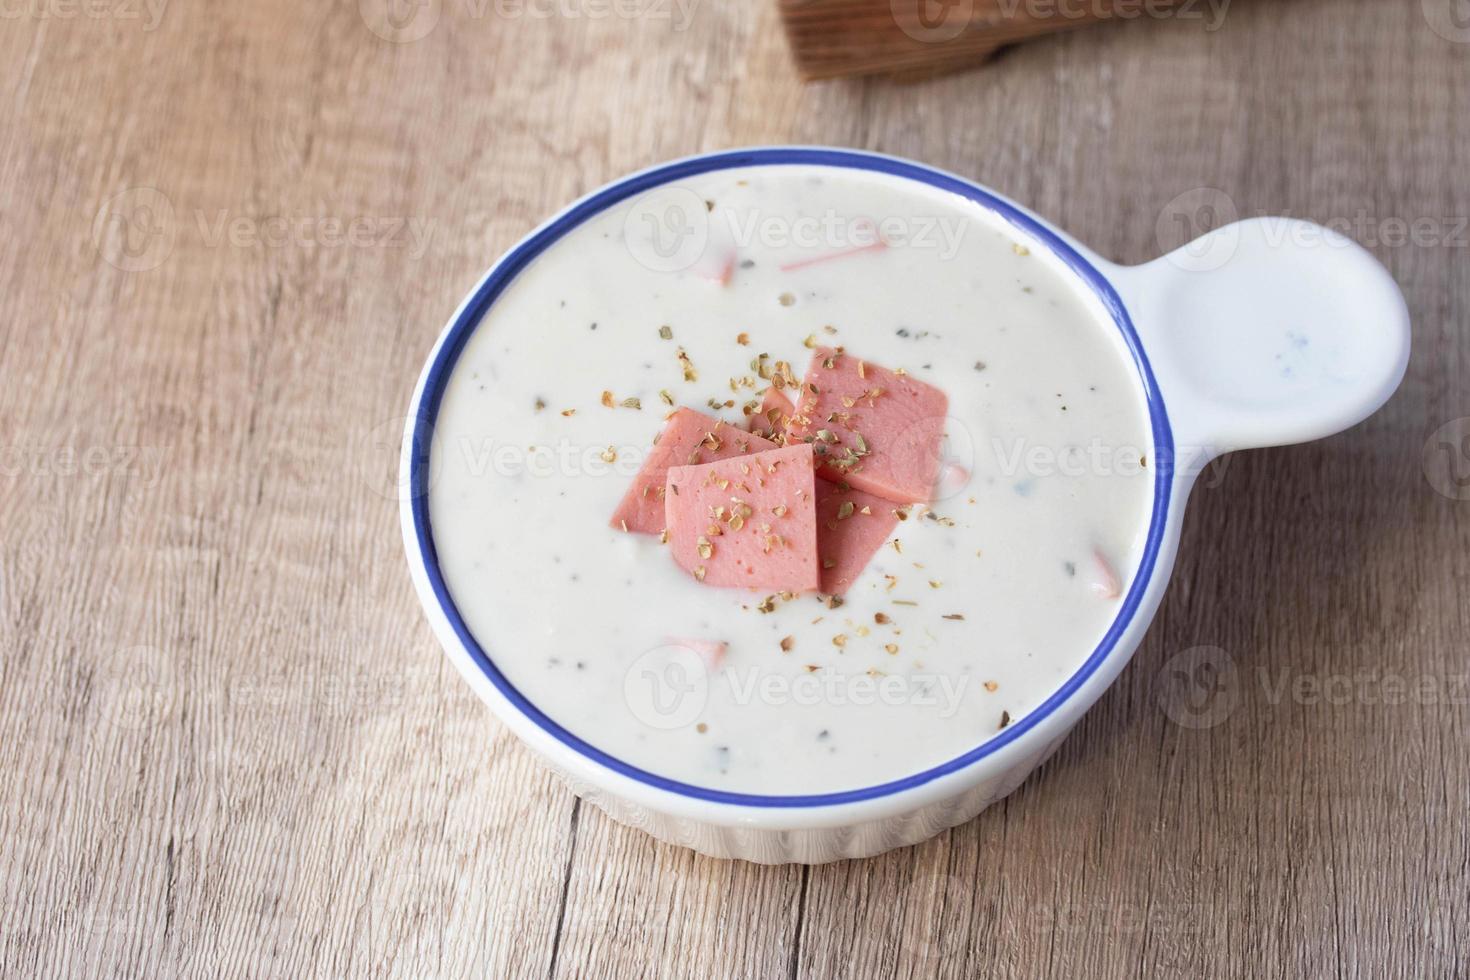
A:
{"points": [[230, 746]]}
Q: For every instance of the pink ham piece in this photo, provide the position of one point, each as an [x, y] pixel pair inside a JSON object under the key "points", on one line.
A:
{"points": [[849, 537], [719, 267], [867, 239], [800, 264], [770, 421], [875, 429], [688, 437], [748, 522], [1104, 579], [710, 652]]}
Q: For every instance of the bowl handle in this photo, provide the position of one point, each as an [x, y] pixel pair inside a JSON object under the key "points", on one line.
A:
{"points": [[1266, 332]]}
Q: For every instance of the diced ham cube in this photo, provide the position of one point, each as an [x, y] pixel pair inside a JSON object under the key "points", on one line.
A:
{"points": [[688, 437], [877, 430], [847, 537], [716, 265], [711, 653], [748, 522], [770, 421], [851, 527], [1104, 579]]}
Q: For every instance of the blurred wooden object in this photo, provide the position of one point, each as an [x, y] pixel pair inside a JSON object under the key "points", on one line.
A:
{"points": [[230, 746], [915, 39]]}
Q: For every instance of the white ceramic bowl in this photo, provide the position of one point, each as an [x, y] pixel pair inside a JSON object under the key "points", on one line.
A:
{"points": [[1264, 332]]}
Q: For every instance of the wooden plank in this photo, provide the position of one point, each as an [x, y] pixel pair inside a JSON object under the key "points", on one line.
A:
{"points": [[636, 907], [231, 745]]}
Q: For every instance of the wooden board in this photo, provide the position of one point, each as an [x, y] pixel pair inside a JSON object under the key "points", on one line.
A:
{"points": [[229, 744]]}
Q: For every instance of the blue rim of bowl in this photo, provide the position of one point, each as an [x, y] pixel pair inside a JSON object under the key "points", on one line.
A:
{"points": [[426, 413]]}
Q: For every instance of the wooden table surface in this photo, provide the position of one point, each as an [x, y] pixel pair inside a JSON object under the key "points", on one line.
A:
{"points": [[229, 744]]}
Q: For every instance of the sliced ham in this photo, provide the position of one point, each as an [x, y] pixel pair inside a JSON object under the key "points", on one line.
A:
{"points": [[747, 522], [688, 437], [875, 429], [849, 536]]}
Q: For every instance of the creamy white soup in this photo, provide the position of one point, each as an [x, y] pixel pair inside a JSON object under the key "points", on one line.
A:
{"points": [[982, 601]]}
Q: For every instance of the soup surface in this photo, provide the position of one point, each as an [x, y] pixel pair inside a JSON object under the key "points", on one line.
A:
{"points": [[981, 603]]}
